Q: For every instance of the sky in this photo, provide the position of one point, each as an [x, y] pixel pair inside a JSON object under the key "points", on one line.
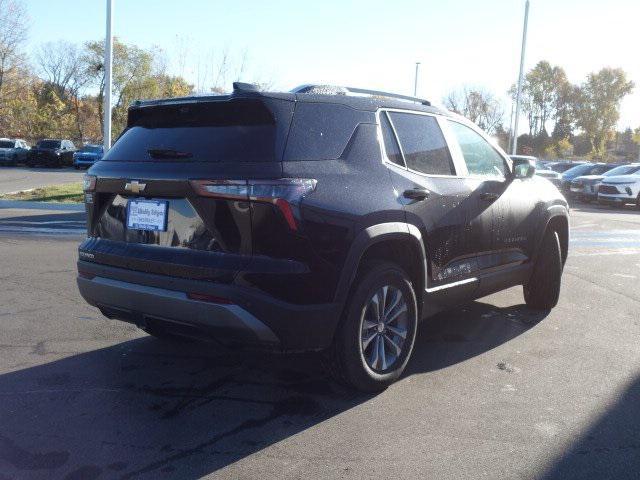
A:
{"points": [[369, 44]]}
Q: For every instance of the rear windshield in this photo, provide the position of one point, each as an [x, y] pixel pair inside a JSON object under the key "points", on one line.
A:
{"points": [[230, 131], [6, 144], [49, 144], [91, 149]]}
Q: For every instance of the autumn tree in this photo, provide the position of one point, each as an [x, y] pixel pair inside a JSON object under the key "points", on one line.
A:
{"points": [[13, 34], [597, 107], [136, 75]]}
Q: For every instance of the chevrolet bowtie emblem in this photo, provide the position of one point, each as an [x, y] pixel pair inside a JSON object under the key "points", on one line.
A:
{"points": [[134, 186]]}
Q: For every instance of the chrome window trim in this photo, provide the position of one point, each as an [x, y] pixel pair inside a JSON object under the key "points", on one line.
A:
{"points": [[395, 136]]}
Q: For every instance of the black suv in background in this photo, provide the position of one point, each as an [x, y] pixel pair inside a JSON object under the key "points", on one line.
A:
{"points": [[327, 219], [52, 153]]}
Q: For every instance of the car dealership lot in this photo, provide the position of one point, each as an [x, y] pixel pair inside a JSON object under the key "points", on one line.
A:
{"points": [[493, 390]]}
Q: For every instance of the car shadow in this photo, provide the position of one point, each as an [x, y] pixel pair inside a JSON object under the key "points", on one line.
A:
{"points": [[145, 408], [610, 448]]}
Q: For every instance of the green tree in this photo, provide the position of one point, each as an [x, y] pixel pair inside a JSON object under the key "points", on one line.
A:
{"points": [[137, 74], [597, 107]]}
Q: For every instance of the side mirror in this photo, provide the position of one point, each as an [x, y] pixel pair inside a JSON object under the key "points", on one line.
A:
{"points": [[523, 168]]}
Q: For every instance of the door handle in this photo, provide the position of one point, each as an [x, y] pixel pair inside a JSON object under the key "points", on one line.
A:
{"points": [[416, 193], [489, 196]]}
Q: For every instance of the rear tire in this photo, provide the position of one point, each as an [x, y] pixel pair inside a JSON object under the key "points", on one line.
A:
{"points": [[375, 339], [543, 289]]}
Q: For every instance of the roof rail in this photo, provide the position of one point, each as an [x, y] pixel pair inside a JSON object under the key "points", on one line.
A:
{"points": [[335, 90]]}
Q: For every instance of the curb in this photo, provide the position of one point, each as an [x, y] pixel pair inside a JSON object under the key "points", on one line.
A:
{"points": [[27, 205]]}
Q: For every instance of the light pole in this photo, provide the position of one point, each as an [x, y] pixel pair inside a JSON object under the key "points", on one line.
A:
{"points": [[514, 143], [415, 81], [108, 60]]}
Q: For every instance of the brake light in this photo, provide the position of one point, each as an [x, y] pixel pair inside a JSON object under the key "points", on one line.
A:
{"points": [[284, 193], [89, 183]]}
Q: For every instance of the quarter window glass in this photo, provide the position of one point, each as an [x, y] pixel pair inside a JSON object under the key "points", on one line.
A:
{"points": [[423, 144], [481, 158], [390, 143]]}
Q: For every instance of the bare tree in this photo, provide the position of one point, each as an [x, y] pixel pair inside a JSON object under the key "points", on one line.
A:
{"points": [[478, 105], [13, 34], [62, 65]]}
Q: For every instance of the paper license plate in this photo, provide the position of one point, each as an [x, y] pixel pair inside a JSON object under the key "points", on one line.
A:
{"points": [[147, 215]]}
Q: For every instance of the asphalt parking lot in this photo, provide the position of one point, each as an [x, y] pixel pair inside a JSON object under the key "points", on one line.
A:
{"points": [[493, 391], [15, 179]]}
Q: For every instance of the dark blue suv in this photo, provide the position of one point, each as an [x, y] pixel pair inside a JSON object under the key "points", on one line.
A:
{"points": [[327, 219], [87, 156]]}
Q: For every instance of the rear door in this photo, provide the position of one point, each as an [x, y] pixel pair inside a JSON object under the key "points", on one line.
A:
{"points": [[171, 194], [435, 199]]}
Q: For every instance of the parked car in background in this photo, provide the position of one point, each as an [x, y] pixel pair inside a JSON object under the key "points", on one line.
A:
{"points": [[541, 169], [585, 188], [13, 151], [246, 230], [620, 190], [553, 177], [52, 153], [583, 169], [562, 166], [87, 156]]}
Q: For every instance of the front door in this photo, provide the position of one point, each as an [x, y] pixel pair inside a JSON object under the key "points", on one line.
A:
{"points": [[503, 208]]}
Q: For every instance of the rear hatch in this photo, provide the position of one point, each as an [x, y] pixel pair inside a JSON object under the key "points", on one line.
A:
{"points": [[171, 196]]}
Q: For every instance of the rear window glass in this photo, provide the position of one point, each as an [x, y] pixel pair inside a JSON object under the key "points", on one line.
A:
{"points": [[91, 149], [321, 131], [6, 144], [423, 144], [230, 131]]}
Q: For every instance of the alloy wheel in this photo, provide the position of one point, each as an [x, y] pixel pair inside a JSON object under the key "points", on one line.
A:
{"points": [[384, 328]]}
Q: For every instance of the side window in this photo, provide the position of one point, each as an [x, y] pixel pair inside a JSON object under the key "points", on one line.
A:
{"points": [[481, 158], [423, 144], [390, 142]]}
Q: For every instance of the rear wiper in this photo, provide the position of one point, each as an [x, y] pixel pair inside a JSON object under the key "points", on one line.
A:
{"points": [[168, 153]]}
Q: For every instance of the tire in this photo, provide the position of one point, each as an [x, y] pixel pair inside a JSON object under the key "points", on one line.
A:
{"points": [[371, 367], [76, 167], [543, 289]]}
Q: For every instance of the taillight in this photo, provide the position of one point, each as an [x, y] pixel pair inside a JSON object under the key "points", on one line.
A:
{"points": [[89, 183], [231, 189], [284, 193]]}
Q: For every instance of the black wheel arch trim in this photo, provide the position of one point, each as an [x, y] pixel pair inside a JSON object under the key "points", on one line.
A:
{"points": [[370, 236], [552, 212]]}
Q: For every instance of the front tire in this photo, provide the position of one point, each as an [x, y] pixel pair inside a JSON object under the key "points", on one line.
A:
{"points": [[375, 339], [543, 289]]}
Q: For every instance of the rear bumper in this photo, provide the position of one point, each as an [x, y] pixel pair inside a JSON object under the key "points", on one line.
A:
{"points": [[250, 319]]}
